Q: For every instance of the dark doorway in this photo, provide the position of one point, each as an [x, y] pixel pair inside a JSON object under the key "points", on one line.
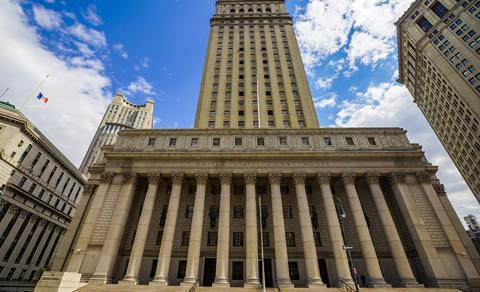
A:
{"points": [[268, 272], [209, 272], [322, 265]]}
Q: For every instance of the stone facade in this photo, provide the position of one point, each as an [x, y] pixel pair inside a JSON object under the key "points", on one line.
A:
{"points": [[439, 58], [39, 193]]}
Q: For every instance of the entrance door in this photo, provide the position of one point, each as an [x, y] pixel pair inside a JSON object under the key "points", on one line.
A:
{"points": [[268, 273], [209, 272], [322, 265]]}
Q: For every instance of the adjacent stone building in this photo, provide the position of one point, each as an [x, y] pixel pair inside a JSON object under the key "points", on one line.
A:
{"points": [[181, 207], [473, 230], [40, 190], [120, 115], [439, 58]]}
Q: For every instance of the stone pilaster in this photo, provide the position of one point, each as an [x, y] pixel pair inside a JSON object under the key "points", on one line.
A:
{"points": [[251, 234]]}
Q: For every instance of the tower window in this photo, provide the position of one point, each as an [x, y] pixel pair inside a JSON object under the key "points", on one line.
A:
{"points": [[151, 142], [283, 141], [216, 142], [238, 141], [371, 141], [238, 212], [328, 141], [194, 142], [424, 24], [290, 236], [185, 238], [260, 141], [305, 141], [238, 239], [439, 9], [212, 238], [349, 141], [173, 142]]}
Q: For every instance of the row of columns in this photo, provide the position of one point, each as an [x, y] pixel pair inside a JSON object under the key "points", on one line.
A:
{"points": [[427, 252]]}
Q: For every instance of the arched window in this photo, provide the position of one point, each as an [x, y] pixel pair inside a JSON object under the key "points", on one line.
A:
{"points": [[232, 10]]}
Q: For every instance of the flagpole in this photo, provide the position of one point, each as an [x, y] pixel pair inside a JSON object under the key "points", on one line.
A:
{"points": [[261, 244], [4, 92], [258, 106], [33, 92]]}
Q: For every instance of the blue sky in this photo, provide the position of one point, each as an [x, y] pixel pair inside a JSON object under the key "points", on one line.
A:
{"points": [[156, 49]]}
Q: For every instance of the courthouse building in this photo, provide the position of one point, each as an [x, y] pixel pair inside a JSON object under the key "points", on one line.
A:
{"points": [[39, 192], [439, 58], [181, 207]]}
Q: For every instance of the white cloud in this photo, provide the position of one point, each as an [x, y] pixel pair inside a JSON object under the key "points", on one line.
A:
{"points": [[89, 35], [389, 104], [78, 94], [367, 49], [120, 50], [325, 102], [144, 63], [46, 18], [325, 83], [91, 15], [141, 85], [84, 49]]}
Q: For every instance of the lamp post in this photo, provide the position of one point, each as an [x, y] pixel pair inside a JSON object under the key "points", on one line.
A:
{"points": [[341, 217]]}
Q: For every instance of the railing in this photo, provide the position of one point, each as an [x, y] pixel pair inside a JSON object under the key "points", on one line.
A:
{"points": [[347, 287], [194, 286]]}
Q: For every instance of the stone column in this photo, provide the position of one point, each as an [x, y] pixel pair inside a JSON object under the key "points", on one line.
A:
{"points": [[432, 191], [31, 245], [136, 255], [23, 238], [43, 241], [88, 226], [309, 248], [11, 212], [251, 233], [431, 262], [223, 245], [193, 261], [13, 233], [165, 254], [407, 279], [57, 232], [106, 261], [281, 254], [366, 244]]}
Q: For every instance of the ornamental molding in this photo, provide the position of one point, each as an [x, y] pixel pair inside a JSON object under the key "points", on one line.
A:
{"points": [[324, 178], [373, 178], [177, 178], [106, 177], [226, 178], [201, 178], [154, 178], [275, 178], [398, 177], [130, 178], [299, 178], [250, 178], [349, 177]]}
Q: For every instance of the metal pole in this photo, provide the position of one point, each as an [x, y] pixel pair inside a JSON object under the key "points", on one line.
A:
{"points": [[4, 92], [341, 216], [33, 92], [261, 244]]}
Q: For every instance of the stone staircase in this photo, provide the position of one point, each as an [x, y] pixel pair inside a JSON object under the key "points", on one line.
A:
{"points": [[145, 288]]}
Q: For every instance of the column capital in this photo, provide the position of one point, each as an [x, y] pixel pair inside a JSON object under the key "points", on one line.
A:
{"points": [[88, 189], [3, 203], [440, 189], [130, 178], [33, 218], [250, 177], [423, 176], [349, 177], [324, 177], [397, 177], [23, 214], [373, 177], [154, 178], [275, 177], [42, 222], [106, 177], [299, 177], [13, 209], [226, 178], [177, 178], [201, 178]]}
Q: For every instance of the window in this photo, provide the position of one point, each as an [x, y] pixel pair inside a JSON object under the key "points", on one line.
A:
{"points": [[20, 143], [194, 142], [238, 189], [290, 239], [216, 142], [13, 154], [151, 142], [424, 24], [371, 141], [237, 271], [173, 142], [293, 271], [22, 182], [25, 153], [283, 141], [261, 189], [238, 239], [284, 189], [305, 141], [238, 212], [238, 141], [266, 239], [349, 141], [44, 167], [287, 212], [159, 237], [182, 268], [212, 238], [318, 239], [32, 188], [153, 269], [10, 274], [439, 9], [35, 160], [260, 141], [189, 212], [328, 141], [185, 238]]}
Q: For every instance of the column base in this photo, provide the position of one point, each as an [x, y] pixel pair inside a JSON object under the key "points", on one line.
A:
{"points": [[222, 283], [100, 279], [129, 280], [316, 283], [159, 282], [188, 282], [410, 283], [252, 283], [285, 284], [379, 283]]}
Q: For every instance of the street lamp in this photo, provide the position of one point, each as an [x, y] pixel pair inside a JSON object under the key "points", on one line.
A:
{"points": [[341, 217]]}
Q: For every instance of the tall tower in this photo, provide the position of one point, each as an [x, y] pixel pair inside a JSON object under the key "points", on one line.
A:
{"points": [[439, 58], [254, 76], [120, 115]]}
